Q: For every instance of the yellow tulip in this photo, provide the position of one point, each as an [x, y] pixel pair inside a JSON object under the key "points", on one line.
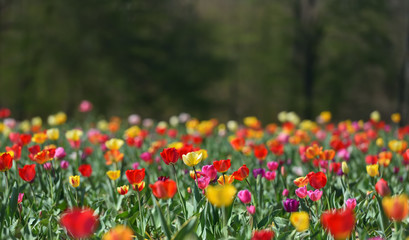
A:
{"points": [[75, 181], [395, 117], [132, 131], [345, 168], [114, 175], [325, 116], [25, 126], [229, 179], [74, 134], [375, 116], [114, 144], [39, 138], [203, 152], [396, 208], [300, 220], [119, 232], [221, 196], [372, 170], [379, 142], [36, 121], [102, 125], [177, 145], [53, 133], [192, 159]]}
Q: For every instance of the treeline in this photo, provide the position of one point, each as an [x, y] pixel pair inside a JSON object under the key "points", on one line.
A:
{"points": [[212, 58]]}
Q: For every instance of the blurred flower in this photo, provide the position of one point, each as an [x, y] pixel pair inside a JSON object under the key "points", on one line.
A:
{"points": [[27, 173], [119, 233], [395, 117], [44, 156], [47, 166], [39, 138], [75, 181], [375, 116], [317, 180], [114, 144], [164, 189], [301, 181], [135, 176], [170, 155], [85, 106], [270, 176], [192, 159], [114, 175], [60, 153], [221, 195], [123, 189], [301, 192], [285, 192], [225, 179], [53, 133], [134, 119], [345, 168], [259, 171], [57, 119], [315, 195], [113, 156], [6, 161], [313, 152], [242, 173], [20, 198], [146, 156], [64, 164], [262, 235], [396, 208], [85, 170], [251, 209], [339, 223], [372, 170], [222, 165], [79, 223], [272, 166], [203, 182], [382, 188], [244, 196], [300, 220], [260, 152]]}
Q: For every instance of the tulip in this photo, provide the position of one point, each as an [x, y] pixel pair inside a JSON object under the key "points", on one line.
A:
{"points": [[53, 133], [119, 232], [203, 182], [270, 176], [147, 157], [372, 170], [85, 170], [135, 176], [64, 164], [138, 186], [301, 192], [221, 195], [123, 189], [6, 162], [300, 220], [114, 144], [315, 195], [192, 159], [75, 181], [244, 196], [79, 223], [27, 173], [47, 166], [113, 175], [20, 198], [382, 188], [74, 135], [210, 171], [301, 181], [345, 168], [396, 208], [85, 106], [260, 152], [291, 205], [169, 155], [60, 153], [263, 235], [259, 171], [285, 192], [242, 173], [228, 179], [113, 156], [317, 180], [351, 203], [39, 138], [251, 209], [44, 156], [222, 165], [339, 223], [164, 189]]}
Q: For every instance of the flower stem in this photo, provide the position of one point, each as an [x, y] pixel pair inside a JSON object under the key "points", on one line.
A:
{"points": [[179, 193]]}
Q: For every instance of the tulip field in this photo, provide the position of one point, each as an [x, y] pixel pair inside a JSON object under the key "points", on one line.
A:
{"points": [[85, 177]]}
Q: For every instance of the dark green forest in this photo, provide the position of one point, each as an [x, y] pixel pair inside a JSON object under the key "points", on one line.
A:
{"points": [[211, 58]]}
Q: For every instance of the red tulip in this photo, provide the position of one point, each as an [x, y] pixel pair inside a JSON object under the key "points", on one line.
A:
{"points": [[27, 173], [135, 176], [170, 155], [25, 139], [33, 151], [317, 180], [371, 159], [6, 162], [382, 188], [260, 152], [242, 173], [339, 223], [164, 189], [222, 165], [85, 170], [263, 235], [79, 223], [16, 149]]}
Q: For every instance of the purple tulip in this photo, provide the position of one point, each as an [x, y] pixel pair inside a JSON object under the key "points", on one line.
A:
{"points": [[291, 205]]}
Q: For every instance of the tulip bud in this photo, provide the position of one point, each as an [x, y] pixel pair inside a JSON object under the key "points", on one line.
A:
{"points": [[244, 196], [285, 192], [251, 209], [382, 188], [345, 168]]}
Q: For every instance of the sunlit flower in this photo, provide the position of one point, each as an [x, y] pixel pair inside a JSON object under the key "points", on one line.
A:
{"points": [[221, 195], [75, 181], [300, 220]]}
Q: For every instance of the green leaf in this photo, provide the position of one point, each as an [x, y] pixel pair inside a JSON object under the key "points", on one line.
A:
{"points": [[164, 225], [13, 201], [186, 229]]}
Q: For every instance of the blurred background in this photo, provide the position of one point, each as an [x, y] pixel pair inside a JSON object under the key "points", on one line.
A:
{"points": [[226, 59]]}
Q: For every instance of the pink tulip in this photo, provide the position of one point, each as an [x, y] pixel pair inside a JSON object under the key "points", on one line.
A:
{"points": [[285, 192], [270, 176], [272, 166], [210, 171], [85, 106], [315, 195], [351, 203], [251, 209], [301, 192], [203, 182], [244, 196]]}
